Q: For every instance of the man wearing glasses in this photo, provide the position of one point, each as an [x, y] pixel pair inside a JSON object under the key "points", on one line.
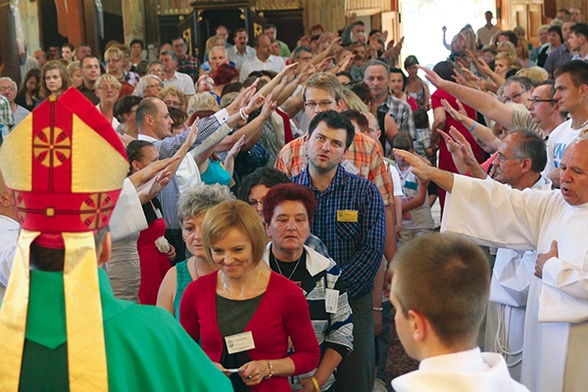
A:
{"points": [[8, 89], [186, 64], [90, 72]]}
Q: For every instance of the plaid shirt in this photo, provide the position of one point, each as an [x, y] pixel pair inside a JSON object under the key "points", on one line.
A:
{"points": [[400, 111], [190, 66], [356, 246], [6, 118], [363, 153]]}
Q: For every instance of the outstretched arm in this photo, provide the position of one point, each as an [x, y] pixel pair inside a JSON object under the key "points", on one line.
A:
{"points": [[480, 101], [427, 173]]}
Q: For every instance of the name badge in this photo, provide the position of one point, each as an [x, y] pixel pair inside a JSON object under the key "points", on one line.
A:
{"points": [[240, 342], [158, 213], [350, 167], [346, 216], [331, 300]]}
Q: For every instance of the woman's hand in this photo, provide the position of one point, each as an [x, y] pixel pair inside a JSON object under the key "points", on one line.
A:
{"points": [[252, 373], [171, 254], [236, 147], [306, 385]]}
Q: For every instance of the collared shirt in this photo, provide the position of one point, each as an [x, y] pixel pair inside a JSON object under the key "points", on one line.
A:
{"points": [[90, 94], [401, 112], [333, 330], [350, 220], [363, 154], [189, 66], [578, 57], [236, 57], [556, 58], [9, 230], [19, 114], [183, 81], [273, 63], [6, 117]]}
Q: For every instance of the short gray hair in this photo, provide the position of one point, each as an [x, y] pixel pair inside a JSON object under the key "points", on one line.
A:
{"points": [[8, 79], [201, 101], [200, 198], [142, 84]]}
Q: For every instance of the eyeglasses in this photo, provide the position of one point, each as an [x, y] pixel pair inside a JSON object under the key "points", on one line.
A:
{"points": [[503, 158], [108, 88], [7, 88], [160, 85], [514, 97], [112, 60], [323, 105], [537, 100], [156, 72]]}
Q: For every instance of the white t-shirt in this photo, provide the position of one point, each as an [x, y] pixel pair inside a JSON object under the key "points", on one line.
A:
{"points": [[558, 140]]}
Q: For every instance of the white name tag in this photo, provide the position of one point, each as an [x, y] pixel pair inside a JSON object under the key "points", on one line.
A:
{"points": [[158, 213], [331, 300], [350, 167], [240, 342]]}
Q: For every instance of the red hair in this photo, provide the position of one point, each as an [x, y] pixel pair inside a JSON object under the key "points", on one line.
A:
{"points": [[224, 74], [293, 192]]}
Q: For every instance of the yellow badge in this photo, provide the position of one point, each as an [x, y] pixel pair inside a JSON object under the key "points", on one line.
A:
{"points": [[346, 216]]}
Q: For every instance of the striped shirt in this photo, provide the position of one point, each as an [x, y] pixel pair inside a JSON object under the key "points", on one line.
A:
{"points": [[333, 330]]}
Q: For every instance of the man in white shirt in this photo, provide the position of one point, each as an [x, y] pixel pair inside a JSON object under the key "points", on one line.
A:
{"points": [[9, 230], [8, 88], [262, 60], [240, 52], [171, 76], [578, 41], [571, 84], [553, 223], [439, 290]]}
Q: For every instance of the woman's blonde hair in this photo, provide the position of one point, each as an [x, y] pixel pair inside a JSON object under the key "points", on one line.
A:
{"points": [[233, 215]]}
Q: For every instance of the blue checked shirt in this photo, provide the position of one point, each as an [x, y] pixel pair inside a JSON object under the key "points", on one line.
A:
{"points": [[206, 127], [357, 247]]}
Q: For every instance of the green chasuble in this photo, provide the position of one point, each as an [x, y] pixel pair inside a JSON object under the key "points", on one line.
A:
{"points": [[146, 348]]}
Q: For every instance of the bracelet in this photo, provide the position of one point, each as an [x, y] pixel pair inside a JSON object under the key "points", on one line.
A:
{"points": [[377, 309], [244, 116], [315, 383], [271, 370], [473, 127]]}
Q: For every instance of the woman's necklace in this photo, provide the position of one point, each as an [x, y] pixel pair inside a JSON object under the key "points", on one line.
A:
{"points": [[295, 267], [250, 291]]}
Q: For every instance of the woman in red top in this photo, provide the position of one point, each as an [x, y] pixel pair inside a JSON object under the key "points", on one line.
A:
{"points": [[444, 122], [244, 313]]}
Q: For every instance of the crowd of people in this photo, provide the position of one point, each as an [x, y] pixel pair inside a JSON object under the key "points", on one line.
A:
{"points": [[277, 204]]}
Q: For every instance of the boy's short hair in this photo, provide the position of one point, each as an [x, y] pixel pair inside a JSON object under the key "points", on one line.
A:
{"points": [[446, 278]]}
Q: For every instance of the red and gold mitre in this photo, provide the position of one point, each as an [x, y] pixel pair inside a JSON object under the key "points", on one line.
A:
{"points": [[66, 165]]}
